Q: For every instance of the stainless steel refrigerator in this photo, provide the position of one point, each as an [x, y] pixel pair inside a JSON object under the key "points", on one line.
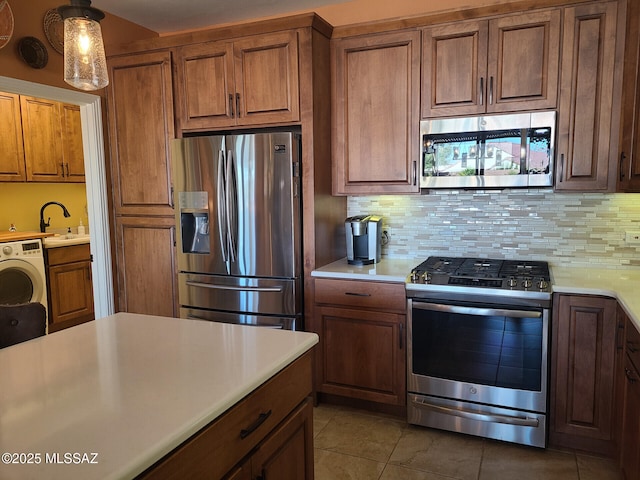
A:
{"points": [[238, 211]]}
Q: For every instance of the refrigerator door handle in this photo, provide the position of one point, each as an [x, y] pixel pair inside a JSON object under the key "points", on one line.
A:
{"points": [[233, 287], [231, 207], [220, 202]]}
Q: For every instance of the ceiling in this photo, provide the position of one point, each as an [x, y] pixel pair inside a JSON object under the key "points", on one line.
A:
{"points": [[164, 16]]}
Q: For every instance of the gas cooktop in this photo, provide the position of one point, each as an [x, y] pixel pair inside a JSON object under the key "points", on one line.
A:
{"points": [[519, 276]]}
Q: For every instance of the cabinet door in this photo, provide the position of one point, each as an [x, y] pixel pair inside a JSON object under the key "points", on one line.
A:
{"points": [[12, 158], [376, 99], [523, 62], [454, 59], [630, 455], [71, 294], [140, 108], [266, 79], [587, 125], [205, 86], [629, 159], [42, 139], [287, 453], [146, 265], [583, 373], [73, 152], [363, 354]]}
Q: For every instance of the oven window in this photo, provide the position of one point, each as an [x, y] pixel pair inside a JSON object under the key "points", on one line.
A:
{"points": [[497, 351]]}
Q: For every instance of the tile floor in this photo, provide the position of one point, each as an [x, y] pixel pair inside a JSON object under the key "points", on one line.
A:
{"points": [[357, 445]]}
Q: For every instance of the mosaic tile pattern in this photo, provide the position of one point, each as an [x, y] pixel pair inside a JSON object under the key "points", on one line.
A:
{"points": [[577, 229]]}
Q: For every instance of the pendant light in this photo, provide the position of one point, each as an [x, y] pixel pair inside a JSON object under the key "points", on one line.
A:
{"points": [[85, 65]]}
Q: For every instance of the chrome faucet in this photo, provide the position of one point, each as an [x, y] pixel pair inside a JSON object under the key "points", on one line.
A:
{"points": [[43, 224]]}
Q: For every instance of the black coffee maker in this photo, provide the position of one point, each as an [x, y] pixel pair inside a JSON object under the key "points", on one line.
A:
{"points": [[364, 239]]}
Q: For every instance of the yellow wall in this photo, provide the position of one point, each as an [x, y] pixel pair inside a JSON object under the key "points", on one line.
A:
{"points": [[20, 204]]}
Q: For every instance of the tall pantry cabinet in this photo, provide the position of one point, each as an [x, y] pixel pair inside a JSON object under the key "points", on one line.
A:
{"points": [[141, 126]]}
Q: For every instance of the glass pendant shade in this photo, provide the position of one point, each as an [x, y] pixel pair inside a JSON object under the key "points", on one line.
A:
{"points": [[85, 64]]}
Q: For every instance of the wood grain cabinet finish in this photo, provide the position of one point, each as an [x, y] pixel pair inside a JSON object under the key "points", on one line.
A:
{"points": [[250, 81], [70, 286], [583, 373], [41, 140], [141, 127], [52, 138], [629, 157], [586, 158], [146, 271], [376, 100], [630, 443], [268, 435], [362, 340], [12, 168], [505, 64]]}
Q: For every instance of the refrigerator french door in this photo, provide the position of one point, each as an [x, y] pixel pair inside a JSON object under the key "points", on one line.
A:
{"points": [[238, 213]]}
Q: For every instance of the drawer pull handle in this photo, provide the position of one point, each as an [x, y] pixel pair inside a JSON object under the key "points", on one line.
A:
{"points": [[245, 432], [355, 294]]}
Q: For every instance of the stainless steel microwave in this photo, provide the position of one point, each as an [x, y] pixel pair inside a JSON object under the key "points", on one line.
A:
{"points": [[491, 151]]}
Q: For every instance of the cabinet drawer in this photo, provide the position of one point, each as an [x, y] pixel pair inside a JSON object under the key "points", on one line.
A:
{"points": [[222, 444], [633, 345], [70, 254], [379, 295]]}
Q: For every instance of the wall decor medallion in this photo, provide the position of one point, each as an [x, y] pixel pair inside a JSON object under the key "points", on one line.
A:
{"points": [[33, 52], [54, 30], [6, 23]]}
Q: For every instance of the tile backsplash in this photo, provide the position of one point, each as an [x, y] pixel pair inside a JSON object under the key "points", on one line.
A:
{"points": [[576, 229]]}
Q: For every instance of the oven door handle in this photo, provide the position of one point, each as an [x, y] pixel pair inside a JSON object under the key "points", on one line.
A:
{"points": [[482, 417], [498, 312]]}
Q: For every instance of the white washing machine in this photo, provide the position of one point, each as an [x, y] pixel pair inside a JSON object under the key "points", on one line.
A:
{"points": [[23, 277]]}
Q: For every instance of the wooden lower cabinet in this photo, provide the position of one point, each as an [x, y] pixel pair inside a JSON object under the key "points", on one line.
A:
{"points": [[630, 443], [267, 435], [363, 340], [146, 265], [70, 286], [583, 368]]}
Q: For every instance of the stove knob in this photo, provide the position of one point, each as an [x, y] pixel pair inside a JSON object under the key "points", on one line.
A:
{"points": [[513, 282], [543, 284], [414, 276], [425, 277], [526, 283], [7, 250]]}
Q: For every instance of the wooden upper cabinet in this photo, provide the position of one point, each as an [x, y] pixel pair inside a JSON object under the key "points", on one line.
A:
{"points": [[588, 116], [629, 157], [375, 128], [141, 127], [42, 136], [250, 81], [12, 167], [72, 150], [490, 66]]}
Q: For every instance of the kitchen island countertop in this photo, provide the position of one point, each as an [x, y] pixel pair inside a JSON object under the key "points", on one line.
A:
{"points": [[128, 388], [621, 284]]}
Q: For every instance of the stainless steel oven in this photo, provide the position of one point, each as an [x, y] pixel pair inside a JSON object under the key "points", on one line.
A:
{"points": [[478, 348]]}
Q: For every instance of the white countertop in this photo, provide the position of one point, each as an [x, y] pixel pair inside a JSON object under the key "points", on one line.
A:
{"points": [[129, 388], [622, 284]]}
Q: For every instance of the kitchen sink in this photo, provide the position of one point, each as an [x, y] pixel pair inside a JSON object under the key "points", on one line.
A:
{"points": [[65, 240]]}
